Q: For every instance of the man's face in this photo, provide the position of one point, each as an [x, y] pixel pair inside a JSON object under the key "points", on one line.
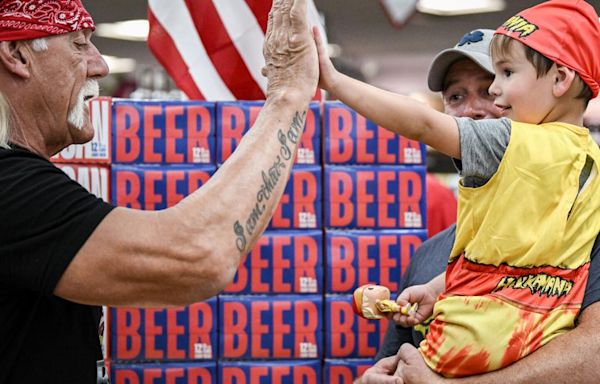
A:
{"points": [[466, 94], [67, 77]]}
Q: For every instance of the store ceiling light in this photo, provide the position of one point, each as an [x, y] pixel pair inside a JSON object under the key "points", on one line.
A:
{"points": [[463, 7], [119, 64], [134, 30]]}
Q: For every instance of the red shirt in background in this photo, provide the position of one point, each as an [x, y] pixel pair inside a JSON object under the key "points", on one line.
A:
{"points": [[441, 206]]}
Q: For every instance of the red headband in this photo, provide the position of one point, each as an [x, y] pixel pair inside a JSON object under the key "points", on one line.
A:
{"points": [[32, 19], [565, 31]]}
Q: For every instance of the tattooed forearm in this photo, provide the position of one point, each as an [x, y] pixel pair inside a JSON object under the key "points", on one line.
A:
{"points": [[270, 178]]}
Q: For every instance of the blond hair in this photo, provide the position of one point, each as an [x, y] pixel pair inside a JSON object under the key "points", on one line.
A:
{"points": [[37, 45]]}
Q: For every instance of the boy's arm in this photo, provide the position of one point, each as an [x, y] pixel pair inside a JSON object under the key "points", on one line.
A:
{"points": [[400, 114]]}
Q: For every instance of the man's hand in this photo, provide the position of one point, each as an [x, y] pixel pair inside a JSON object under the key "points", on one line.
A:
{"points": [[382, 371], [291, 63], [412, 368]]}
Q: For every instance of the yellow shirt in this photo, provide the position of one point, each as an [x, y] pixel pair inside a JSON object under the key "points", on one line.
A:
{"points": [[518, 270]]}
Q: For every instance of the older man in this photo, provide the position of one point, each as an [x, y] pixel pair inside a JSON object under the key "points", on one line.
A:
{"points": [[463, 74], [62, 251]]}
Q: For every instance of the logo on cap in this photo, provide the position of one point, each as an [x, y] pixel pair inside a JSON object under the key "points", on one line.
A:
{"points": [[521, 25], [471, 37]]}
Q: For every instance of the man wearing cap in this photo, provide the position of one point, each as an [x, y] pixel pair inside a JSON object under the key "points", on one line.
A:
{"points": [[64, 252], [558, 361]]}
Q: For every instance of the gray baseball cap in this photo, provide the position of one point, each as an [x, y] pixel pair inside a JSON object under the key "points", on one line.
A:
{"points": [[474, 45]]}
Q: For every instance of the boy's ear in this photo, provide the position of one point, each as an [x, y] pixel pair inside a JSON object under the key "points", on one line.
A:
{"points": [[563, 79], [14, 57]]}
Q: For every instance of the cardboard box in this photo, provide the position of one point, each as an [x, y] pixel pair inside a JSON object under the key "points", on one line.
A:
{"points": [[271, 327], [349, 335], [164, 373], [151, 187], [352, 139], [301, 202], [382, 197], [345, 371], [359, 257], [270, 372], [282, 262], [236, 118], [98, 150], [163, 132], [166, 334]]}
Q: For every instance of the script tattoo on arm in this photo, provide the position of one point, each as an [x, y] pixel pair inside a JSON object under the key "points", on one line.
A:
{"points": [[270, 178]]}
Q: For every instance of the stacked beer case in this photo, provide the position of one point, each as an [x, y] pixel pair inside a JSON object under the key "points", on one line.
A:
{"points": [[271, 314], [353, 212], [161, 152], [375, 218]]}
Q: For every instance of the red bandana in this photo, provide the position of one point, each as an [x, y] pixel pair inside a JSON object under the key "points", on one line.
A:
{"points": [[32, 19]]}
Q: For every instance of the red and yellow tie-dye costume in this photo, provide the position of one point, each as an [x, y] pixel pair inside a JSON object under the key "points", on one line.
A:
{"points": [[519, 266]]}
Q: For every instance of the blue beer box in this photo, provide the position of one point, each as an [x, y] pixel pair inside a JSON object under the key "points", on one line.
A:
{"points": [[163, 132], [155, 187], [349, 335], [352, 139], [271, 327], [300, 206], [165, 334], [345, 371], [235, 118], [282, 262], [381, 197], [270, 372], [359, 257], [164, 373]]}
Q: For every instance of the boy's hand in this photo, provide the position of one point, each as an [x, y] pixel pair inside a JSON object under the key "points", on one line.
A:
{"points": [[327, 72], [420, 294]]}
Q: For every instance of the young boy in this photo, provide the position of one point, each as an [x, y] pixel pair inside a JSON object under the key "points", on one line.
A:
{"points": [[529, 206]]}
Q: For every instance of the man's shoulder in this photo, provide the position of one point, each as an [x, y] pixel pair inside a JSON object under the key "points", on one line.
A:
{"points": [[447, 235], [440, 244]]}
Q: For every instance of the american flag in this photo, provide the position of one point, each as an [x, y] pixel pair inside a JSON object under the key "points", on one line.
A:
{"points": [[213, 48]]}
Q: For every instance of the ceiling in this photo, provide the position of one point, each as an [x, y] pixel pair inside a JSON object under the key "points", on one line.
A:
{"points": [[395, 59]]}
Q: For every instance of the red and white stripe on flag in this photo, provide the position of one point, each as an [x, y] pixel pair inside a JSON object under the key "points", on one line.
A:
{"points": [[213, 48]]}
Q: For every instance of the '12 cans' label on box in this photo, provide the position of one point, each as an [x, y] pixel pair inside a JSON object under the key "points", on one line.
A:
{"points": [[359, 257], [383, 197], [236, 118], [282, 262], [270, 327], [352, 139], [183, 333], [159, 132]]}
